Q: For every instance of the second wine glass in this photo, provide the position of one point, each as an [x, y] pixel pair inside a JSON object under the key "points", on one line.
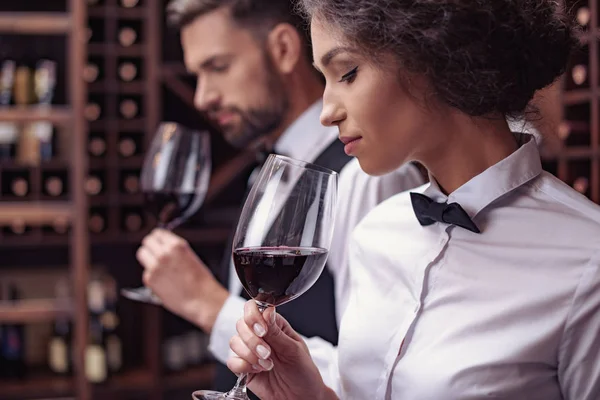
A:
{"points": [[282, 239], [174, 181]]}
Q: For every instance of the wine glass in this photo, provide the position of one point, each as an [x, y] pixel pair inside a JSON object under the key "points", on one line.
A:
{"points": [[282, 239], [174, 181]]}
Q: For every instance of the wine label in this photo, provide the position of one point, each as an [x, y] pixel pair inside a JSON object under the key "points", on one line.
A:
{"points": [[58, 355], [109, 320], [95, 364], [8, 130], [8, 133], [114, 353], [95, 296], [43, 131]]}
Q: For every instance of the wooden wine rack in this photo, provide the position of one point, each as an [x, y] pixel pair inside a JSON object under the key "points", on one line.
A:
{"points": [[576, 159], [70, 24]]}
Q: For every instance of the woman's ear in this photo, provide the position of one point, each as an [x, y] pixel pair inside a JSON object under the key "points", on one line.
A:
{"points": [[285, 47]]}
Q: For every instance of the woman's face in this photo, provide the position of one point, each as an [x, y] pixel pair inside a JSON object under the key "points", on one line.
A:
{"points": [[384, 125]]}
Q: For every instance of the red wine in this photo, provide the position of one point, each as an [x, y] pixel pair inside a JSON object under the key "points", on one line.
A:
{"points": [[276, 275], [170, 207]]}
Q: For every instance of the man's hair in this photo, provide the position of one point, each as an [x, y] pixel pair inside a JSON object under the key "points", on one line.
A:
{"points": [[259, 16]]}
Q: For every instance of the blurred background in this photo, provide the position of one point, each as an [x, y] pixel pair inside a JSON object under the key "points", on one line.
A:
{"points": [[72, 215]]}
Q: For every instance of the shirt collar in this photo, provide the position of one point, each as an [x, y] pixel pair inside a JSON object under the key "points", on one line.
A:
{"points": [[305, 134], [510, 173]]}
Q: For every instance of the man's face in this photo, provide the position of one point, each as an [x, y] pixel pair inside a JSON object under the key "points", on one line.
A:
{"points": [[238, 87]]}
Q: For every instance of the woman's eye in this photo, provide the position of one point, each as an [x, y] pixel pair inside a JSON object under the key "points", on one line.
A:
{"points": [[349, 77]]}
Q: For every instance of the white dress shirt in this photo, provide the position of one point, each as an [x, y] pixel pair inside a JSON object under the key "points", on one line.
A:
{"points": [[358, 193], [441, 313]]}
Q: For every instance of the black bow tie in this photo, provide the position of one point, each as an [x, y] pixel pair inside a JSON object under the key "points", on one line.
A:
{"points": [[429, 212]]}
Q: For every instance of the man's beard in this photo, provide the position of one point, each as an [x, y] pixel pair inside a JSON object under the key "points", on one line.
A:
{"points": [[258, 122]]}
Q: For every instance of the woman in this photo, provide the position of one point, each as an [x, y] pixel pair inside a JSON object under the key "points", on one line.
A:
{"points": [[491, 287]]}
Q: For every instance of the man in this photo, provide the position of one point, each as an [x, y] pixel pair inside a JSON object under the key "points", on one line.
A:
{"points": [[255, 80]]}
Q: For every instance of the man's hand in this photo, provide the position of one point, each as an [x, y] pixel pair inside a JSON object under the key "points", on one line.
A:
{"points": [[180, 279]]}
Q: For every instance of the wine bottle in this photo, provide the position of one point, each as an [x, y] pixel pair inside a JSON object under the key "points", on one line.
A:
{"points": [[127, 36], [96, 368], [23, 93], [127, 71], [174, 353], [583, 16], [54, 186], [581, 184], [110, 323], [133, 222], [91, 73], [61, 225], [96, 223], [20, 187], [127, 147], [129, 3], [97, 146], [196, 347], [93, 185], [128, 108], [18, 226], [36, 140], [131, 184], [579, 74], [59, 346], [8, 130], [92, 112], [13, 343]]}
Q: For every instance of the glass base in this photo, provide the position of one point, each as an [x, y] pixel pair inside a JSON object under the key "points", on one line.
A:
{"points": [[212, 395], [143, 295]]}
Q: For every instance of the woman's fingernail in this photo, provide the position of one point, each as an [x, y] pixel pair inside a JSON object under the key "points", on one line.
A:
{"points": [[259, 330], [266, 364], [273, 315], [263, 352], [256, 367]]}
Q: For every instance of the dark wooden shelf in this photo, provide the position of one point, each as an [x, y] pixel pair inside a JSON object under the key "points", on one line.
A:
{"points": [[38, 386], [35, 212], [137, 124], [56, 114], [27, 311], [116, 11], [101, 49], [35, 23], [199, 377], [577, 96], [55, 164], [136, 87]]}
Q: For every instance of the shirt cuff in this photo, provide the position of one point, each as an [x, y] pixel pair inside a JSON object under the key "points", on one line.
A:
{"points": [[224, 327]]}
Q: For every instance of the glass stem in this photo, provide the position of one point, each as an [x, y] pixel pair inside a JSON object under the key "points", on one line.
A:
{"points": [[240, 386]]}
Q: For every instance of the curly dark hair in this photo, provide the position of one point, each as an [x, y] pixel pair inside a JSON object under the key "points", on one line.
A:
{"points": [[482, 57]]}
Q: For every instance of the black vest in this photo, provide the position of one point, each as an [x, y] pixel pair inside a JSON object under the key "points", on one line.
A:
{"points": [[313, 313]]}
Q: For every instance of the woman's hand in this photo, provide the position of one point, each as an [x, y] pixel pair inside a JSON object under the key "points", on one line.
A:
{"points": [[277, 357]]}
